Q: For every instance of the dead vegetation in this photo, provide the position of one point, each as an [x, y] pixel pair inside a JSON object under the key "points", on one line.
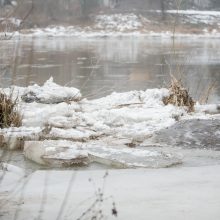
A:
{"points": [[179, 95], [204, 97], [9, 115]]}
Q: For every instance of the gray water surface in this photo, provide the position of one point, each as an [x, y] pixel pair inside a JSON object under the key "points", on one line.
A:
{"points": [[99, 66]]}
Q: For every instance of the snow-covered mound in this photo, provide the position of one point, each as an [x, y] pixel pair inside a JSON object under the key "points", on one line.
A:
{"points": [[135, 114], [50, 93], [118, 22]]}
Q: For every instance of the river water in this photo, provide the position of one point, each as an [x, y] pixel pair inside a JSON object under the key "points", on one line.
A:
{"points": [[100, 66]]}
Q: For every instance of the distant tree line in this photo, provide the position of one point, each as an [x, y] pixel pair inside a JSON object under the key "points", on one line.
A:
{"points": [[46, 12]]}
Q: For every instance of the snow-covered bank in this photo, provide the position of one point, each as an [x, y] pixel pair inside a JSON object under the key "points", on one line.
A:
{"points": [[199, 24], [164, 194], [76, 32], [108, 130]]}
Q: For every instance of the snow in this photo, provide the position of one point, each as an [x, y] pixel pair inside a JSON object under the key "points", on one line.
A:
{"points": [[194, 12], [126, 114], [162, 194], [130, 24], [116, 114], [81, 33], [133, 116], [21, 131], [72, 134], [11, 21], [77, 32], [50, 93], [37, 114], [210, 108], [118, 22], [195, 16]]}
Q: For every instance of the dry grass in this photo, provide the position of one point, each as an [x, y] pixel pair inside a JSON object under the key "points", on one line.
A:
{"points": [[179, 96], [206, 94], [9, 115]]}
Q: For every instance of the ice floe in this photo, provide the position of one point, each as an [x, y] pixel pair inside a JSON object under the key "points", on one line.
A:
{"points": [[66, 153], [56, 153], [50, 93]]}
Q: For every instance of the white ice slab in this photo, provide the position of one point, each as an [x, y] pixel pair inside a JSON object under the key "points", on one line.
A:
{"points": [[50, 93], [56, 153], [68, 153]]}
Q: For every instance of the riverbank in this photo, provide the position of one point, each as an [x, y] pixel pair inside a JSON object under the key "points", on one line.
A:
{"points": [[152, 23]]}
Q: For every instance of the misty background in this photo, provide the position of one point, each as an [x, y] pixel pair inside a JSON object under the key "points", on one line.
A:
{"points": [[81, 12]]}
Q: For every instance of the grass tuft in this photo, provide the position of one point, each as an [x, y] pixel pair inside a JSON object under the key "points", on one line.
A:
{"points": [[179, 95], [9, 115]]}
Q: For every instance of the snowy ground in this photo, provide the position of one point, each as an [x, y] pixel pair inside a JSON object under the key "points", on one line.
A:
{"points": [[191, 23], [163, 194], [197, 17]]}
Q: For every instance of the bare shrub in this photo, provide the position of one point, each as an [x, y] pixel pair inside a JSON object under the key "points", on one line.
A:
{"points": [[206, 94], [9, 115], [179, 95], [96, 210]]}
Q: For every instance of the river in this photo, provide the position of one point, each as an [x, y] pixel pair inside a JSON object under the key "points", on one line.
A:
{"points": [[100, 66]]}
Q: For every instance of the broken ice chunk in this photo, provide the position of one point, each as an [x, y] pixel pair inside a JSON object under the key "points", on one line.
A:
{"points": [[50, 93]]}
